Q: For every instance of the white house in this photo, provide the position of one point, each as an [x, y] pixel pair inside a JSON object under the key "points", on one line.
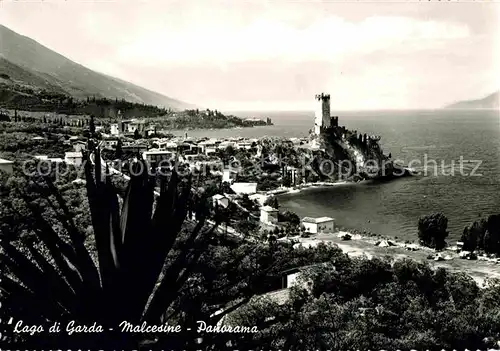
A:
{"points": [[110, 142], [131, 125], [49, 159], [6, 165], [115, 130], [229, 175], [220, 200], [79, 145], [134, 147], [244, 188], [171, 146], [208, 147], [157, 156], [74, 158], [226, 144], [245, 144], [134, 125], [319, 225], [268, 215]]}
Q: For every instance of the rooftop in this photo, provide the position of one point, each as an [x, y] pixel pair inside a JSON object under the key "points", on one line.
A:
{"points": [[268, 209], [150, 152], [317, 220], [73, 154]]}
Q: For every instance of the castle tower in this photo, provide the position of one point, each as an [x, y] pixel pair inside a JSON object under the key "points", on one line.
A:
{"points": [[322, 113]]}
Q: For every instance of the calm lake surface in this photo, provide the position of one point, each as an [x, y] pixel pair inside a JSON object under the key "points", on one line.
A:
{"points": [[393, 208]]}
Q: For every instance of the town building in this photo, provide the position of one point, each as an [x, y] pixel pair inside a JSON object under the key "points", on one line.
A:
{"points": [[229, 175], [73, 158], [220, 200], [157, 156], [268, 215], [293, 277], [244, 145], [130, 126], [115, 130], [209, 147], [244, 188], [6, 166], [110, 143], [134, 148], [279, 292], [165, 145], [79, 146], [225, 144], [151, 130], [49, 159], [319, 224]]}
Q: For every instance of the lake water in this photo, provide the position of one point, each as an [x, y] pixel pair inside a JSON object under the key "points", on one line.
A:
{"points": [[393, 208]]}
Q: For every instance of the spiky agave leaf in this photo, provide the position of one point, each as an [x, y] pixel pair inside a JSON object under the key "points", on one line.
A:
{"points": [[132, 249]]}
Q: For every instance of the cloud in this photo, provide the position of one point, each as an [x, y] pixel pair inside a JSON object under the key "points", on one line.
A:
{"points": [[264, 39]]}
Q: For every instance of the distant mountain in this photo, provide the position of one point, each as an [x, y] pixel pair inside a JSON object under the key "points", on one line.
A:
{"points": [[24, 62], [490, 102]]}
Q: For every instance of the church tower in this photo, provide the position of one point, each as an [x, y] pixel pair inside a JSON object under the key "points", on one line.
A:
{"points": [[322, 113]]}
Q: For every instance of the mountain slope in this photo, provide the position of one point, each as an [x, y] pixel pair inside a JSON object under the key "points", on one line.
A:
{"points": [[25, 61], [491, 101]]}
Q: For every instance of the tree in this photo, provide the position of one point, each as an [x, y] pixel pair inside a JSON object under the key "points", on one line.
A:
{"points": [[248, 204], [137, 135], [272, 201], [493, 225], [119, 150], [92, 126], [290, 217], [473, 235], [432, 230]]}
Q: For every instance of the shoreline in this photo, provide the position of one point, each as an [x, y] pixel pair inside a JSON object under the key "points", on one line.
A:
{"points": [[194, 128], [297, 189], [365, 246], [316, 185]]}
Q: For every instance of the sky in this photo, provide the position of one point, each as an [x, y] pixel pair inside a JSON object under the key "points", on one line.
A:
{"points": [[276, 55]]}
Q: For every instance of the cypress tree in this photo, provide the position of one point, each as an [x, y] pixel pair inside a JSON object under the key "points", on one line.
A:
{"points": [[92, 126]]}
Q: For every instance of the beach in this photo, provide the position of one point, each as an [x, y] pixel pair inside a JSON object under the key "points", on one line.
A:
{"points": [[298, 188], [359, 246]]}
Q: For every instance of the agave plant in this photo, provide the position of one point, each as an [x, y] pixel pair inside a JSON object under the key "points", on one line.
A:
{"points": [[139, 270]]}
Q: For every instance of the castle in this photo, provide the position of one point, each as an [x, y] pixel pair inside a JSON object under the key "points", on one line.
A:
{"points": [[322, 118]]}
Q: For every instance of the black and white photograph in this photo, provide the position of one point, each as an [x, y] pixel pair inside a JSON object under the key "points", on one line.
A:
{"points": [[249, 175]]}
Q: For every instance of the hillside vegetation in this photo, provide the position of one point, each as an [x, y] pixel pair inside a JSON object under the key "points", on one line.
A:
{"points": [[26, 64]]}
